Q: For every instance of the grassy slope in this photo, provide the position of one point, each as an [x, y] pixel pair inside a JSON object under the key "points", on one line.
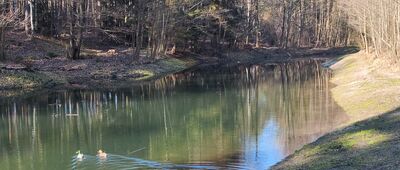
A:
{"points": [[363, 90]]}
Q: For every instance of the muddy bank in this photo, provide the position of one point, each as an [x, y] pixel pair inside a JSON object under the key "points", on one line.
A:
{"points": [[364, 89]]}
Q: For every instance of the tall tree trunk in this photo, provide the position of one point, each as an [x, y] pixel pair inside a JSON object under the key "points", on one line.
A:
{"points": [[365, 33], [26, 19], [301, 23], [2, 44], [75, 30], [96, 16], [71, 48], [139, 27], [257, 23], [248, 4], [31, 11], [283, 28]]}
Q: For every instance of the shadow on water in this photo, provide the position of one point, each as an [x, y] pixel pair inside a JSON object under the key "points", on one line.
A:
{"points": [[241, 117]]}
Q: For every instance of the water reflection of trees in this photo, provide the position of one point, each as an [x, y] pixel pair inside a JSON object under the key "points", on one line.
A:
{"points": [[304, 107], [187, 117]]}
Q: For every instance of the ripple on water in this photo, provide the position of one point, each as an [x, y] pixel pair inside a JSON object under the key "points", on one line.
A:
{"points": [[127, 163]]}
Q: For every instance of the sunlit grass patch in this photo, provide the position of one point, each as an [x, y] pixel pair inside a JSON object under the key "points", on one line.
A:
{"points": [[25, 80], [18, 81], [357, 140], [346, 142], [311, 150], [145, 74], [172, 63]]}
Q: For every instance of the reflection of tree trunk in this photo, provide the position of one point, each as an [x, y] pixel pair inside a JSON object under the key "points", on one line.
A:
{"points": [[248, 103], [256, 109], [164, 114], [34, 129]]}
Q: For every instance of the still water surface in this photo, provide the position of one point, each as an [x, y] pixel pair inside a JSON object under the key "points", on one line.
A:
{"points": [[247, 117]]}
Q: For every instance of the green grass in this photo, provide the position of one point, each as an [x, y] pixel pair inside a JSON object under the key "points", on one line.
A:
{"points": [[361, 139], [162, 68], [172, 64], [145, 74], [364, 145], [9, 80]]}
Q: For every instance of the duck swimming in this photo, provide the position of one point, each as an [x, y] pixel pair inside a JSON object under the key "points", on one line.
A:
{"points": [[79, 155], [101, 154]]}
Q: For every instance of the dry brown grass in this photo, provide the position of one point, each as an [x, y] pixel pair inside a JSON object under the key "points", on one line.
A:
{"points": [[366, 86]]}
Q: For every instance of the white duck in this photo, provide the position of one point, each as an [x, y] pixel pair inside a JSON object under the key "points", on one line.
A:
{"points": [[79, 155]]}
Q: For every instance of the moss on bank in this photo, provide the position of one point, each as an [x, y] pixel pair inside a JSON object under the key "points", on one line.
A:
{"points": [[25, 80], [18, 83], [159, 68], [363, 90]]}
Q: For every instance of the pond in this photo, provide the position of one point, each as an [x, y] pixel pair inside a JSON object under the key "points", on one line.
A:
{"points": [[247, 117]]}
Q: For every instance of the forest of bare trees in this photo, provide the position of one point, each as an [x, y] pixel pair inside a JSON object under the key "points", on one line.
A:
{"points": [[309, 23], [378, 25], [165, 26]]}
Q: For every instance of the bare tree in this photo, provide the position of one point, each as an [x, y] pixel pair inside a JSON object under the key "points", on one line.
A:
{"points": [[378, 23], [76, 26], [7, 19]]}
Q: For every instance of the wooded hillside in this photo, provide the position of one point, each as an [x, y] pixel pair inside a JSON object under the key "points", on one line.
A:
{"points": [[164, 26]]}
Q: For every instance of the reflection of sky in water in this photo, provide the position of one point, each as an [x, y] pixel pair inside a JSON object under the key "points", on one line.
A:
{"points": [[263, 152]]}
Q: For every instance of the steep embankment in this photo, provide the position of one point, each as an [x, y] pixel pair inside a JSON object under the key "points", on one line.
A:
{"points": [[365, 88]]}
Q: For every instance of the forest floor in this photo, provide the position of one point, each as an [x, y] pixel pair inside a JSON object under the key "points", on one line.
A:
{"points": [[40, 63], [369, 91]]}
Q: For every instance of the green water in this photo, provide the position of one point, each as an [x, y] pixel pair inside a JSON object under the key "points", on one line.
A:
{"points": [[247, 117]]}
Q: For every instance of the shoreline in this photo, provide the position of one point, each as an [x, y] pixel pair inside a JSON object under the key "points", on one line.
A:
{"points": [[370, 95], [114, 72]]}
